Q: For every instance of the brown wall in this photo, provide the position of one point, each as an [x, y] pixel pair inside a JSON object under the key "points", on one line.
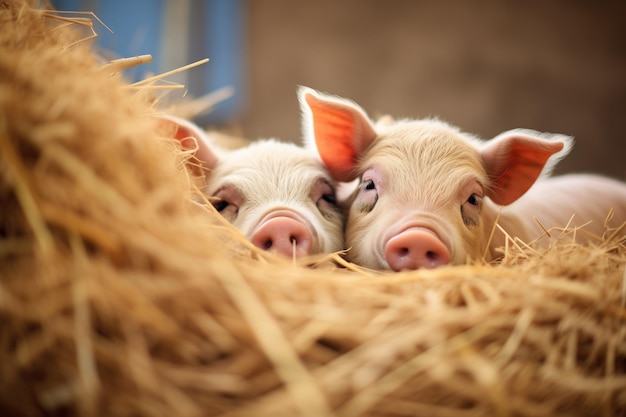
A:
{"points": [[486, 66]]}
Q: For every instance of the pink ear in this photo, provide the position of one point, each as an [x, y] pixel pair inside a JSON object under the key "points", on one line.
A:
{"points": [[514, 161], [191, 137], [341, 131]]}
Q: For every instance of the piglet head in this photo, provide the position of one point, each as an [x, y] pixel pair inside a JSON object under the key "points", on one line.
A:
{"points": [[421, 184], [280, 196], [277, 194]]}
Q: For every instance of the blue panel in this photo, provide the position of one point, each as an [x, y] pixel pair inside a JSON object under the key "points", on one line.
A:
{"points": [[224, 43], [216, 31], [135, 25]]}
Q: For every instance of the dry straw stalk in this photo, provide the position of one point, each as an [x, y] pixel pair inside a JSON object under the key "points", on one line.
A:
{"points": [[119, 296]]}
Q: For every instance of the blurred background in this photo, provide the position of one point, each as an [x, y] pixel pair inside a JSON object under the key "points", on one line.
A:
{"points": [[486, 66]]}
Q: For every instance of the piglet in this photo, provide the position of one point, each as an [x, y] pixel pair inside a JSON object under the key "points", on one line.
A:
{"points": [[429, 195], [277, 194]]}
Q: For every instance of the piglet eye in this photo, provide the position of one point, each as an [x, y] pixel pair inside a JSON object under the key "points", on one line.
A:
{"points": [[227, 201], [369, 185], [323, 194], [221, 205], [470, 210], [330, 199], [367, 196], [474, 199]]}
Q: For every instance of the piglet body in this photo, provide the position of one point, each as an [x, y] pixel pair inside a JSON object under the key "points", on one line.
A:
{"points": [[277, 194], [582, 202], [427, 194]]}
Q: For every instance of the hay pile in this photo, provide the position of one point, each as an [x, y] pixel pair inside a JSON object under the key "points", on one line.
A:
{"points": [[119, 296]]}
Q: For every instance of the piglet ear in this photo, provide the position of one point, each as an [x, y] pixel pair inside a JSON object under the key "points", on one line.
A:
{"points": [[514, 160], [192, 138], [339, 130]]}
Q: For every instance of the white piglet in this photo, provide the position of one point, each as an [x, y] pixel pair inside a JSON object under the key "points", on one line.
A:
{"points": [[428, 194], [277, 194]]}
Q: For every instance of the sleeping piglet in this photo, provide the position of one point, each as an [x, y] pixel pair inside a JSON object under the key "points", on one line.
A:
{"points": [[429, 195], [277, 194]]}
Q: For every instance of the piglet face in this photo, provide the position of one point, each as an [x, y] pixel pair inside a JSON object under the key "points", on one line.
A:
{"points": [[412, 208], [422, 184], [280, 197], [278, 194]]}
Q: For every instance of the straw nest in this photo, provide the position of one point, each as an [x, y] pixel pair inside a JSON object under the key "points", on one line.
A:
{"points": [[120, 296]]}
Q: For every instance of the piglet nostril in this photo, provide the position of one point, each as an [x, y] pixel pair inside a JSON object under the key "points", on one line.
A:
{"points": [[283, 235], [415, 248]]}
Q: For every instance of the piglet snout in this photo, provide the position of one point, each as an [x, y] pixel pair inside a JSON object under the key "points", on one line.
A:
{"points": [[416, 248], [281, 234]]}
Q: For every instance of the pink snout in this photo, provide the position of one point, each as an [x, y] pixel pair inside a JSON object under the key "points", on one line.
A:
{"points": [[281, 234], [416, 248]]}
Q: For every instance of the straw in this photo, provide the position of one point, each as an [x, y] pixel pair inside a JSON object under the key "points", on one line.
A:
{"points": [[124, 292]]}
